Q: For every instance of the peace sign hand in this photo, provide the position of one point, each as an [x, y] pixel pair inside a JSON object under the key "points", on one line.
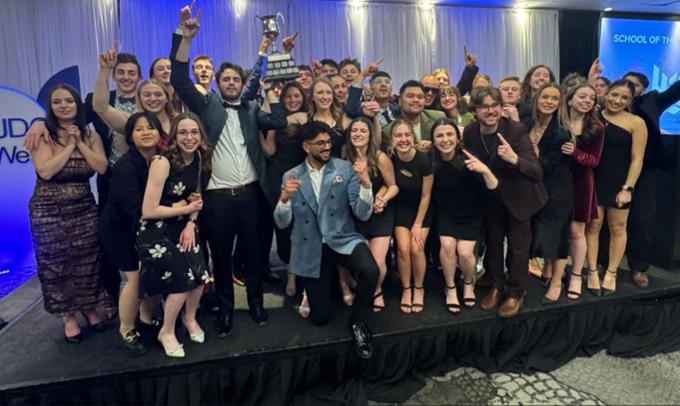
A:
{"points": [[506, 152]]}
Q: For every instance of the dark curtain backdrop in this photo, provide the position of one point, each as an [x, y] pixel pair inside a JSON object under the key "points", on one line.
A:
{"points": [[579, 40]]}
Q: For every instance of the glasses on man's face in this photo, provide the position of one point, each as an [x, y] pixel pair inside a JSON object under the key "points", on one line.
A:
{"points": [[322, 143], [185, 133], [488, 107], [433, 90]]}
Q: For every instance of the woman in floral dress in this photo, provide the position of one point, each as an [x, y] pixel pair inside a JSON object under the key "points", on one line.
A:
{"points": [[168, 244]]}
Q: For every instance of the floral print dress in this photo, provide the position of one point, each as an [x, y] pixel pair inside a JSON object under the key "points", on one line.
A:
{"points": [[166, 266]]}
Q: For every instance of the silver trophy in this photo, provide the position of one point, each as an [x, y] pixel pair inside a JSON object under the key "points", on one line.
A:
{"points": [[279, 66]]}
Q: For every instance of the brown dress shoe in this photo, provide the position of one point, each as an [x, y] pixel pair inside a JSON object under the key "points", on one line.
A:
{"points": [[641, 279], [511, 307], [491, 300]]}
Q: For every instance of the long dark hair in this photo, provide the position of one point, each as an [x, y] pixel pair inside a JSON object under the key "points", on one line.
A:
{"points": [[591, 121], [80, 120], [132, 122], [173, 152], [534, 102], [458, 160], [526, 83], [293, 84], [349, 152]]}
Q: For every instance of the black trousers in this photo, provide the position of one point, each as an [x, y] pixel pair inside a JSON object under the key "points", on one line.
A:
{"points": [[320, 290], [640, 221], [223, 218], [501, 224]]}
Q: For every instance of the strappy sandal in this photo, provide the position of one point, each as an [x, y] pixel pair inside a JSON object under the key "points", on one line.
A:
{"points": [[453, 307], [406, 307], [573, 295], [419, 306], [469, 301], [377, 308]]}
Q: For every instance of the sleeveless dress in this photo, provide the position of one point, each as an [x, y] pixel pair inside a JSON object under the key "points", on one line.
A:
{"points": [[63, 218], [615, 161], [166, 266], [458, 197], [289, 154], [378, 225], [409, 177]]}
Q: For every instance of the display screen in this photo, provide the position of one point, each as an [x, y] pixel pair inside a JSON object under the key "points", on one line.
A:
{"points": [[651, 47]]}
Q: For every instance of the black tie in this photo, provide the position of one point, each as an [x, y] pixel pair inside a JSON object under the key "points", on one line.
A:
{"points": [[231, 106]]}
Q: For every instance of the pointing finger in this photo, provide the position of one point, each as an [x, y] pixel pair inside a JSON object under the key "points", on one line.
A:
{"points": [[467, 154], [500, 137]]}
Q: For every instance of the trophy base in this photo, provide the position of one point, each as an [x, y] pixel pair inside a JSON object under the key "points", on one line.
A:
{"points": [[281, 67]]}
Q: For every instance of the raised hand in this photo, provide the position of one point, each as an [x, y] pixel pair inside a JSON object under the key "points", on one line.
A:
{"points": [[108, 59], [189, 24], [370, 108], [372, 67], [568, 148], [316, 67], [289, 43], [290, 188], [470, 59], [361, 168], [264, 44], [510, 111], [473, 164], [506, 152]]}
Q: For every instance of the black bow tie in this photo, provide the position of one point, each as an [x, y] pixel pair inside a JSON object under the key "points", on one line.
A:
{"points": [[124, 99], [231, 106]]}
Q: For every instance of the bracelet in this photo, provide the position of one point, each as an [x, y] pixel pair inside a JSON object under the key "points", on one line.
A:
{"points": [[627, 188]]}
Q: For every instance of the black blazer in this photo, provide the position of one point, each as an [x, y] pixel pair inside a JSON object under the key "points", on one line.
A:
{"points": [[520, 187], [99, 124], [119, 222], [649, 107]]}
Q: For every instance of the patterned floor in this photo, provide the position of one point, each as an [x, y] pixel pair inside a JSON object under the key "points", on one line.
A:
{"points": [[599, 380]]}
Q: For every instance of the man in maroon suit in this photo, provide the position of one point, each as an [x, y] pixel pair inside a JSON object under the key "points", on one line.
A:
{"points": [[504, 146]]}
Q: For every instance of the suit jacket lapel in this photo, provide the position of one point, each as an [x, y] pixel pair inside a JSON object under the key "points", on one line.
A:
{"points": [[306, 189], [327, 180]]}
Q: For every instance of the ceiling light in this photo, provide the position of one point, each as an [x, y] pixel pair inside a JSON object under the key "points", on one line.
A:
{"points": [[608, 9]]}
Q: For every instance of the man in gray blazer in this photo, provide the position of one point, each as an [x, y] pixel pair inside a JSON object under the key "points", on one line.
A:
{"points": [[319, 197]]}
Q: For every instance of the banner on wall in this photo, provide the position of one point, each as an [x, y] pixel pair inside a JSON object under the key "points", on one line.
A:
{"points": [[18, 111]]}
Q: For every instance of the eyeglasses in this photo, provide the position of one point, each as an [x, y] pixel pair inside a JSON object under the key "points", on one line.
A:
{"points": [[185, 133], [488, 106], [322, 143], [433, 90]]}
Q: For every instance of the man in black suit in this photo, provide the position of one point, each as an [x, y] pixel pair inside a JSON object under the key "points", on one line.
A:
{"points": [[649, 106], [234, 188]]}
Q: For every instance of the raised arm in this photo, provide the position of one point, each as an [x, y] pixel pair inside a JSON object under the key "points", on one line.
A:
{"points": [[252, 87], [179, 60], [114, 118], [464, 84]]}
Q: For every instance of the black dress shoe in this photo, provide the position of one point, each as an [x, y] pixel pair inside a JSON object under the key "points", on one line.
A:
{"points": [[259, 315], [224, 326], [76, 339], [132, 343], [363, 338], [97, 328]]}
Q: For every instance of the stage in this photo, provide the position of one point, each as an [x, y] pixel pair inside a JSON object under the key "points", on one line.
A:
{"points": [[291, 361]]}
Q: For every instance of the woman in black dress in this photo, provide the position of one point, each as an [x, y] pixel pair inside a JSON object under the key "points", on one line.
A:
{"points": [[458, 200], [412, 215], [63, 213], [550, 226], [377, 230], [284, 149], [169, 247], [625, 141], [120, 219]]}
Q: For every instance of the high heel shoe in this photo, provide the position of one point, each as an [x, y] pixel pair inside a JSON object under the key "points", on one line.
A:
{"points": [[547, 301], [177, 352], [76, 339], [98, 328], [469, 301], [406, 307], [609, 292], [595, 292], [453, 307], [198, 337], [377, 308], [419, 306], [575, 295]]}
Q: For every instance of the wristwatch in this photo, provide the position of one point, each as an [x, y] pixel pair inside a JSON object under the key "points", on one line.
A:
{"points": [[628, 188]]}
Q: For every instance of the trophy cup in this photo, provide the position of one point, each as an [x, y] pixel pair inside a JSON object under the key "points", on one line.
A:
{"points": [[280, 66]]}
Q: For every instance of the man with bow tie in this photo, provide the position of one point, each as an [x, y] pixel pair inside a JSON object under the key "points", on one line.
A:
{"points": [[317, 197], [234, 187]]}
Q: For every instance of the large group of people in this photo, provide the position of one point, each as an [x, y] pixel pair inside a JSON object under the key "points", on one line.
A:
{"points": [[340, 171]]}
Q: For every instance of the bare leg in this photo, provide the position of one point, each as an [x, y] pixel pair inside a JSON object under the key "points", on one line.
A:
{"points": [[555, 288], [419, 264], [403, 241], [593, 243], [71, 328], [578, 257], [379, 247], [466, 255], [192, 303], [617, 220], [345, 283], [447, 258], [128, 303], [173, 305]]}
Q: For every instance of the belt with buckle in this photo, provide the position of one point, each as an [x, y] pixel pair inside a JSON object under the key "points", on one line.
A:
{"points": [[234, 191]]}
